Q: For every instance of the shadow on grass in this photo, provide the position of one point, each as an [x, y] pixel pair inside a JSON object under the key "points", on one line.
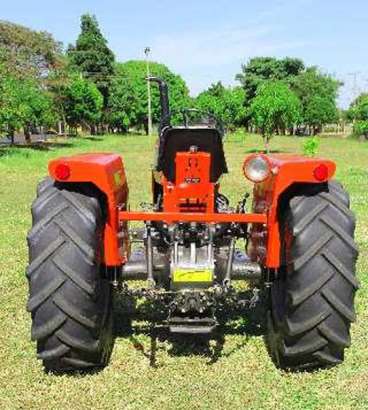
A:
{"points": [[97, 139], [262, 151], [10, 150], [241, 321]]}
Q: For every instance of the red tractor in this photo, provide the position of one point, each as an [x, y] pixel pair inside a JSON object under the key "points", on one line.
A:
{"points": [[299, 240]]}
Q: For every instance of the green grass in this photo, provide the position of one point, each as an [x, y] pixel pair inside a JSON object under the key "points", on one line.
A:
{"points": [[187, 375]]}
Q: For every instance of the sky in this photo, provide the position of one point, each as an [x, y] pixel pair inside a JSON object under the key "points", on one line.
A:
{"points": [[207, 41]]}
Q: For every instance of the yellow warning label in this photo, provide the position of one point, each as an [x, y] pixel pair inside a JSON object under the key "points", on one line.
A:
{"points": [[117, 178], [192, 275]]}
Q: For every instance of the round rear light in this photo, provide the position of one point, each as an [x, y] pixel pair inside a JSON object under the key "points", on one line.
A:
{"points": [[257, 168], [321, 172], [62, 171]]}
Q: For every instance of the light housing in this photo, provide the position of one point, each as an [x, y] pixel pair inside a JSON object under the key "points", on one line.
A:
{"points": [[321, 172], [257, 168], [62, 171]]}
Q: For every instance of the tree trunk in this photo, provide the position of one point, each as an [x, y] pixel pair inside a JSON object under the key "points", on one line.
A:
{"points": [[146, 127], [27, 134], [11, 132], [266, 141]]}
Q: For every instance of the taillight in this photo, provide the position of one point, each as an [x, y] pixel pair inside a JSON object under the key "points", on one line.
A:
{"points": [[321, 172], [62, 171], [257, 168]]}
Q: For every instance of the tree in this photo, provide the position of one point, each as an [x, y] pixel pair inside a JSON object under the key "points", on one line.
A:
{"points": [[226, 104], [358, 112], [27, 53], [274, 108], [12, 109], [319, 110], [23, 104], [128, 100], [123, 105], [261, 69], [317, 93], [92, 57], [80, 102], [39, 110]]}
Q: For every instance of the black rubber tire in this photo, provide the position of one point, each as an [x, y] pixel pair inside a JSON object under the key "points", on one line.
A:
{"points": [[70, 302], [312, 300]]}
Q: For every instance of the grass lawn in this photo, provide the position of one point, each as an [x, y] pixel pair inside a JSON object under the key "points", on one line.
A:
{"points": [[187, 375]]}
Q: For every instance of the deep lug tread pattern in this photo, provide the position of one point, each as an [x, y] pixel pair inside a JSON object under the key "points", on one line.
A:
{"points": [[77, 343], [299, 296], [326, 358], [334, 337], [73, 312], [46, 329], [44, 186], [335, 263], [299, 328], [59, 351], [74, 276], [298, 350], [44, 293], [335, 302], [35, 263], [312, 301], [312, 251], [69, 301]]}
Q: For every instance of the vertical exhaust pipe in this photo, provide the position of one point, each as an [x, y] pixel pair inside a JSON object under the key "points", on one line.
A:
{"points": [[164, 101]]}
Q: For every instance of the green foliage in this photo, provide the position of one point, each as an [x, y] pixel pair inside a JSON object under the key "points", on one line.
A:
{"points": [[35, 73], [80, 101], [317, 93], [122, 106], [261, 69], [227, 104], [128, 100], [359, 108], [310, 146], [361, 129], [92, 57], [358, 113], [27, 53], [23, 104], [274, 108]]}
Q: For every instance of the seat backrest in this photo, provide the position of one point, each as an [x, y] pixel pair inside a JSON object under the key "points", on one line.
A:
{"points": [[173, 140]]}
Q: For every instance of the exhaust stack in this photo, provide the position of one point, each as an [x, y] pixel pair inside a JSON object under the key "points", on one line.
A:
{"points": [[164, 101]]}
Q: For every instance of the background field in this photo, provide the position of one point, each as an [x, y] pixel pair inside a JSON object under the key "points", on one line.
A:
{"points": [[236, 374]]}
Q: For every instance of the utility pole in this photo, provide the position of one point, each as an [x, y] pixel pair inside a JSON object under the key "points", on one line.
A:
{"points": [[354, 89], [355, 92], [147, 50]]}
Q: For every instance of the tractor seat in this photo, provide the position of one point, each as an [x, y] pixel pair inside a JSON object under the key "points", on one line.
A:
{"points": [[174, 140]]}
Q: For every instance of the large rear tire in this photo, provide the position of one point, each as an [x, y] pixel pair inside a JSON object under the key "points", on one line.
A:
{"points": [[69, 300], [312, 300]]}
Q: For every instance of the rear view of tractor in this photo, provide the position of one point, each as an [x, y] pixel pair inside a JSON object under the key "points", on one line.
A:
{"points": [[298, 231]]}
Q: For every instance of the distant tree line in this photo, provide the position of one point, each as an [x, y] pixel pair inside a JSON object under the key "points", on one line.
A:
{"points": [[358, 114], [41, 85], [83, 87]]}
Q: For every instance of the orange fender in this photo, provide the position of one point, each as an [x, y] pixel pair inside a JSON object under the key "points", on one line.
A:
{"points": [[106, 172], [286, 170]]}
